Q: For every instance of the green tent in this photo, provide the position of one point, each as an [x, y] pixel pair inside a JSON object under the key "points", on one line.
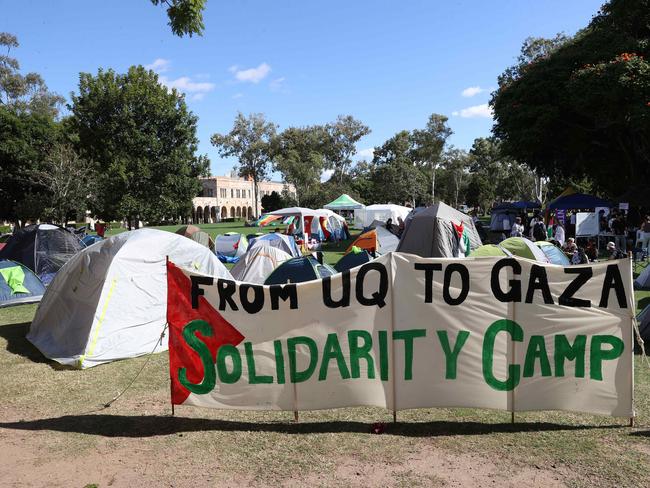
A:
{"points": [[488, 250], [344, 202], [524, 248]]}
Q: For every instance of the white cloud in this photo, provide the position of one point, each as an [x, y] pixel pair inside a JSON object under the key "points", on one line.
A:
{"points": [[252, 75], [474, 112], [326, 175], [159, 65], [237, 95], [472, 91], [197, 96], [277, 84], [185, 84], [366, 153]]}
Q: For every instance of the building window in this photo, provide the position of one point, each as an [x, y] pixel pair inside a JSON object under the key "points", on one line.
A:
{"points": [[223, 192], [232, 195], [238, 193], [249, 193]]}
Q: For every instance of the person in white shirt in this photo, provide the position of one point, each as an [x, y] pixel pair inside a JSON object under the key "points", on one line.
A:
{"points": [[559, 234], [517, 228]]}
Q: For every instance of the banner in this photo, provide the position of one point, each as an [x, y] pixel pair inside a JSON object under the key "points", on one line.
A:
{"points": [[406, 332]]}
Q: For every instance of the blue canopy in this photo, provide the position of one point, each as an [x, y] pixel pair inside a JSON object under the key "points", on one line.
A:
{"points": [[578, 201]]}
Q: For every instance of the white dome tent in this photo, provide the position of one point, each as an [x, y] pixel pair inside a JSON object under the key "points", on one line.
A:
{"points": [[110, 300]]}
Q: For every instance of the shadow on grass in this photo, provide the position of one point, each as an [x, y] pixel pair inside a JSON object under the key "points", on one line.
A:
{"points": [[157, 425], [641, 433], [18, 344]]}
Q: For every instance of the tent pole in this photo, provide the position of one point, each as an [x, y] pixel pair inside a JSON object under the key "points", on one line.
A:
{"points": [[295, 403]]}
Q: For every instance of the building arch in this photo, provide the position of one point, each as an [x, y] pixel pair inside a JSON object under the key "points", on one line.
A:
{"points": [[243, 212], [238, 212], [232, 212], [206, 214], [199, 215], [250, 212], [224, 213], [213, 214]]}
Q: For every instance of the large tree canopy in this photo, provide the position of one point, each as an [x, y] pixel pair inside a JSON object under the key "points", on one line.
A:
{"points": [[143, 139], [581, 106]]}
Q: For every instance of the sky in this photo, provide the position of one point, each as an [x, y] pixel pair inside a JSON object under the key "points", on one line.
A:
{"points": [[390, 64]]}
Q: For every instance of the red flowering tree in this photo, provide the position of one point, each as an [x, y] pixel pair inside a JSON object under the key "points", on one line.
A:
{"points": [[580, 106]]}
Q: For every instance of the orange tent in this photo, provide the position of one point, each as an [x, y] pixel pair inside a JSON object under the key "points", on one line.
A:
{"points": [[367, 241]]}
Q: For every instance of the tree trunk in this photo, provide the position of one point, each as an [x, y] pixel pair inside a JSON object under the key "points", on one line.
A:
{"points": [[257, 213], [433, 183]]}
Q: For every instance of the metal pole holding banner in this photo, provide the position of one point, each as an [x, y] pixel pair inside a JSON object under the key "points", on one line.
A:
{"points": [[392, 362], [633, 326], [295, 403], [513, 315]]}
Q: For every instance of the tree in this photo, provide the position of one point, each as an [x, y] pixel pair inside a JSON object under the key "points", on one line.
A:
{"points": [[396, 177], [69, 181], [23, 93], [343, 137], [143, 139], [456, 163], [298, 153], [185, 16], [429, 143], [250, 141], [25, 139], [272, 201], [581, 107]]}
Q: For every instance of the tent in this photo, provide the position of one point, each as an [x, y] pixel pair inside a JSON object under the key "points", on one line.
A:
{"points": [[18, 284], [258, 263], [524, 248], [378, 240], [90, 239], [578, 201], [197, 235], [643, 321], [230, 244], [509, 211], [643, 280], [344, 202], [298, 270], [489, 250], [439, 231], [554, 254], [365, 216], [281, 241], [303, 218], [43, 248], [110, 301], [352, 260], [333, 224]]}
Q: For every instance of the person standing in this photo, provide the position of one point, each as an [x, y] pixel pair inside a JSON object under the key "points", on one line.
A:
{"points": [[620, 235], [559, 233], [517, 228]]}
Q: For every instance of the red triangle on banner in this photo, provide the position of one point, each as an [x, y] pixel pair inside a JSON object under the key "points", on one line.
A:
{"points": [[179, 314]]}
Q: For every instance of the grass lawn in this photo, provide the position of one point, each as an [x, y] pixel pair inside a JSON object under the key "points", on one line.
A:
{"points": [[53, 427]]}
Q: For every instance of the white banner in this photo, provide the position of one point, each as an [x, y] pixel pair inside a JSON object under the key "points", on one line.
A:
{"points": [[406, 332]]}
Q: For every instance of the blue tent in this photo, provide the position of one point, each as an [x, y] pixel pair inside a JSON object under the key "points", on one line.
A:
{"points": [[352, 260], [522, 205], [90, 239], [299, 270], [578, 201], [554, 254], [18, 284]]}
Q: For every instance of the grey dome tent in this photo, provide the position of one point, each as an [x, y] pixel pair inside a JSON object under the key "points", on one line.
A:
{"points": [[431, 233], [43, 248], [643, 321]]}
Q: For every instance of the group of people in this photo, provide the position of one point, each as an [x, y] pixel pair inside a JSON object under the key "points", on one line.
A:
{"points": [[615, 224]]}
